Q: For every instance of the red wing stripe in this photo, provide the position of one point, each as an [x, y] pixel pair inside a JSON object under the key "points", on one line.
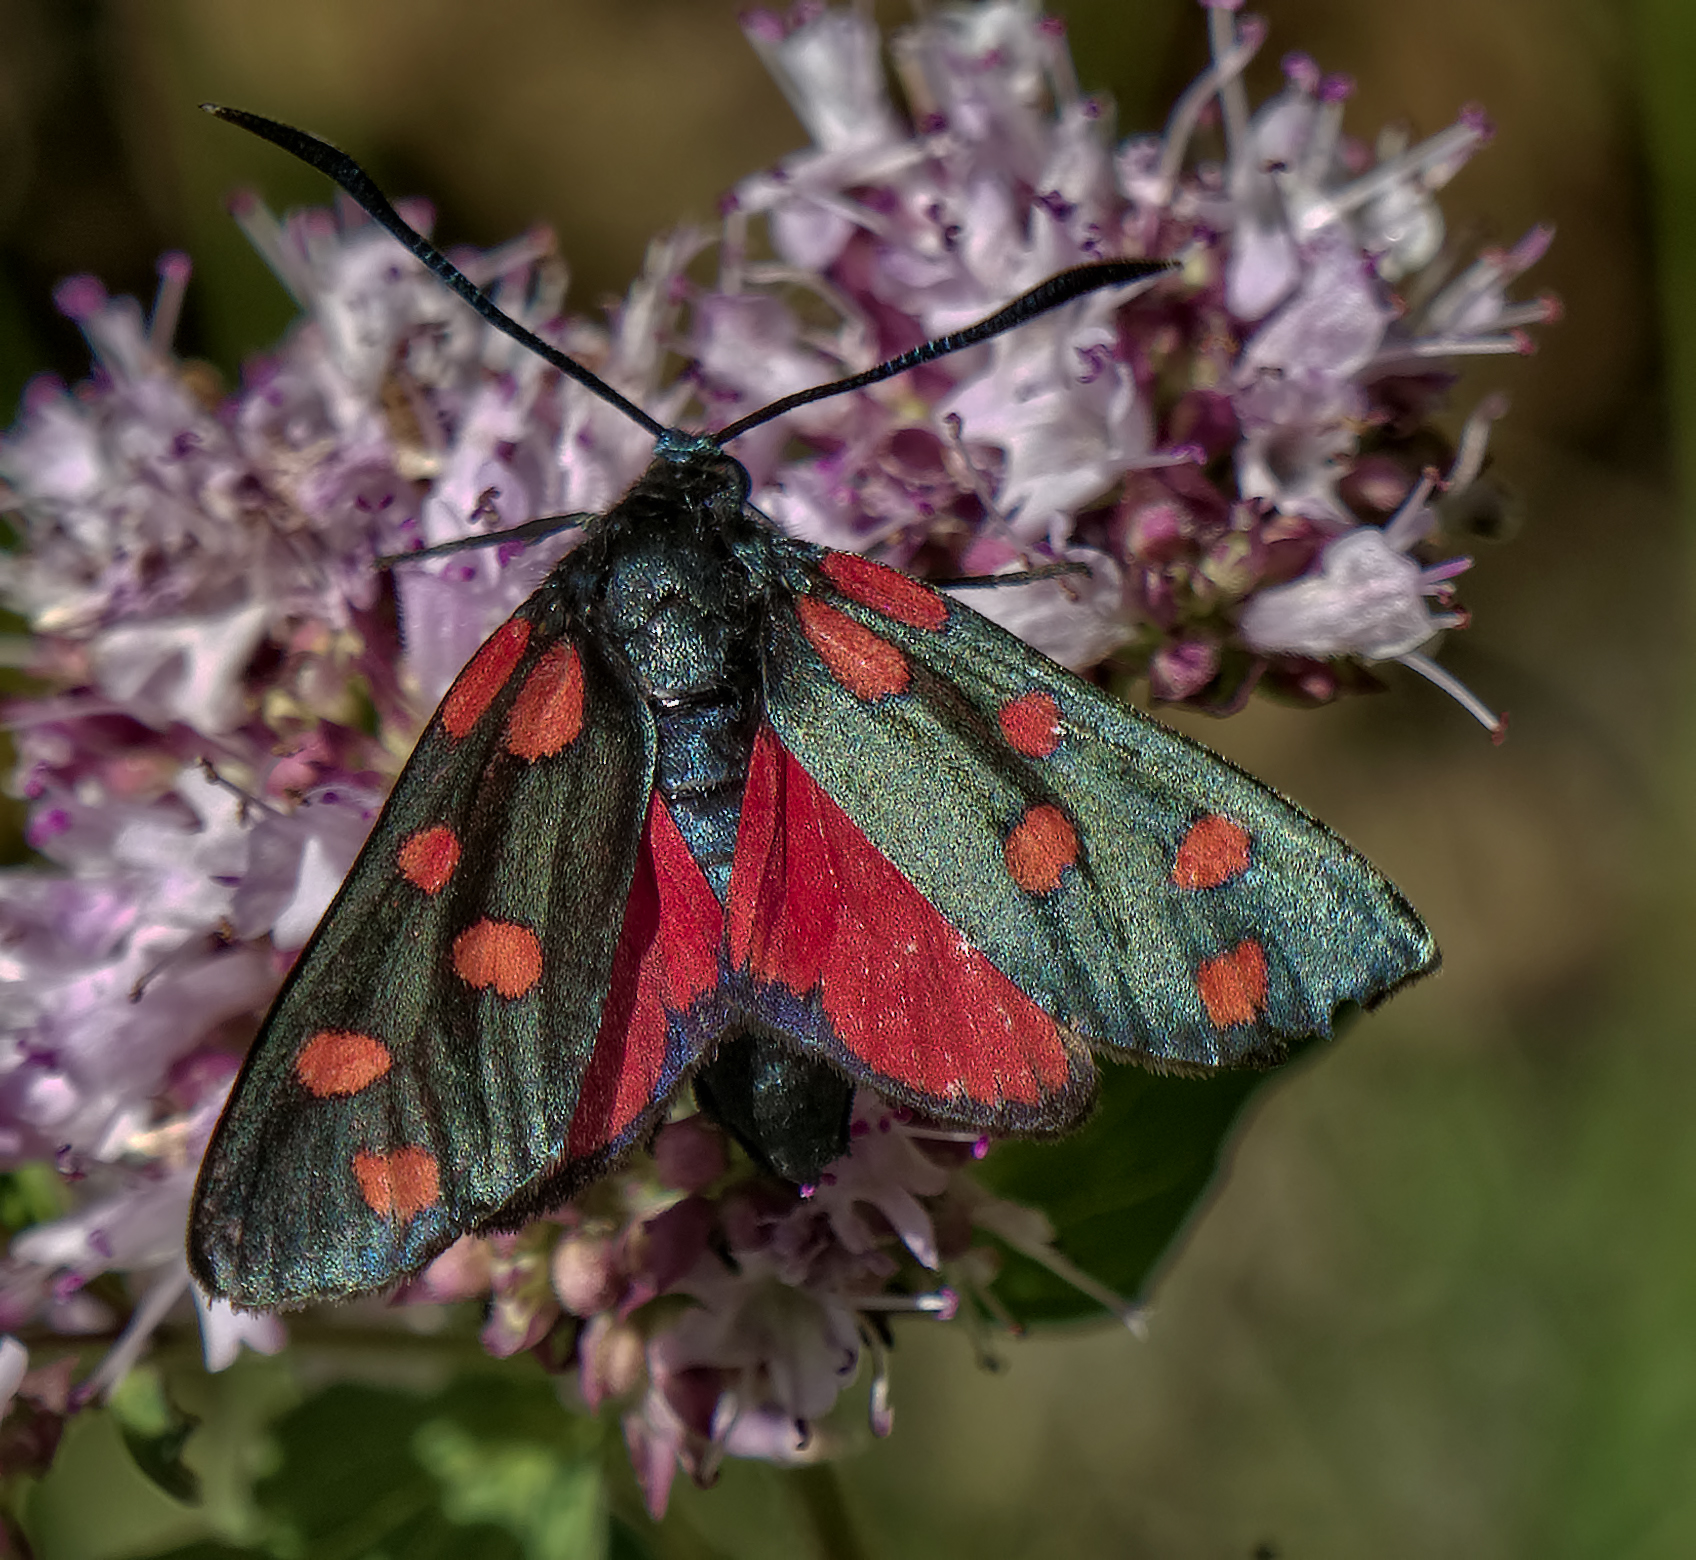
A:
{"points": [[667, 959], [476, 688], [864, 663], [814, 906], [885, 590]]}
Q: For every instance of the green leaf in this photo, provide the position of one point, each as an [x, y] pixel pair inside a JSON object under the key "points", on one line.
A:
{"points": [[210, 1550], [1120, 1192], [154, 1431], [492, 1468], [31, 1194], [625, 1543], [552, 1506]]}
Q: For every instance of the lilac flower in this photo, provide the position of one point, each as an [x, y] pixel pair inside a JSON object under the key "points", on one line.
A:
{"points": [[1288, 327], [14, 1362], [34, 1405], [199, 578], [780, 1286], [1368, 598], [226, 696]]}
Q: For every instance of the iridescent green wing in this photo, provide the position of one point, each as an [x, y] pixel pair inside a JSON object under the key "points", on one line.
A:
{"points": [[1148, 895], [423, 1068]]}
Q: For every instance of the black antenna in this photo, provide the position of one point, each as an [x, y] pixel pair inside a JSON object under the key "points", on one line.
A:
{"points": [[358, 183], [1058, 289]]}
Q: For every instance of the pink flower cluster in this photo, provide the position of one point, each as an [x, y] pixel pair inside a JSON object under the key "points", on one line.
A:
{"points": [[1206, 449], [724, 1312], [232, 683]]}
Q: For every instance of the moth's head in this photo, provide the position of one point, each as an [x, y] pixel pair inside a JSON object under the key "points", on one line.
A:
{"points": [[717, 480]]}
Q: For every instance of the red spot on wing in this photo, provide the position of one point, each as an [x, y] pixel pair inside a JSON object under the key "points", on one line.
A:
{"points": [[1031, 724], [427, 858], [1041, 846], [868, 666], [1213, 852], [814, 906], [1233, 985], [886, 590], [400, 1184], [548, 713], [475, 688], [341, 1061], [667, 958], [501, 954]]}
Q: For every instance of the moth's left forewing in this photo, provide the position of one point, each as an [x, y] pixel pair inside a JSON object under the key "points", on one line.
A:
{"points": [[1145, 892]]}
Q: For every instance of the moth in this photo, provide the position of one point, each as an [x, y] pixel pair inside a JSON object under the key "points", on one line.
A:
{"points": [[720, 806]]}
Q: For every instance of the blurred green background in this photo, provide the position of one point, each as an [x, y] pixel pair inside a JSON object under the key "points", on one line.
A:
{"points": [[1445, 1301]]}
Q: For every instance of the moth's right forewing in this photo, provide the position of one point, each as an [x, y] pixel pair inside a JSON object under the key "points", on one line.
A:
{"points": [[423, 1063]]}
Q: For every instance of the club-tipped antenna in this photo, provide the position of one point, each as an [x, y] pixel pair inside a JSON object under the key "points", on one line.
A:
{"points": [[347, 173], [362, 187]]}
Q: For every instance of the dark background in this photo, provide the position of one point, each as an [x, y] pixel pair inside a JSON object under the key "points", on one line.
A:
{"points": [[1445, 1303]]}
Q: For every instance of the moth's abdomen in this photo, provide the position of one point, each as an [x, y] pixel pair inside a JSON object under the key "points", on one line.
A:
{"points": [[702, 770]]}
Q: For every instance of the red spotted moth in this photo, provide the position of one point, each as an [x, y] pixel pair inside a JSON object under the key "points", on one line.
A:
{"points": [[720, 807]]}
